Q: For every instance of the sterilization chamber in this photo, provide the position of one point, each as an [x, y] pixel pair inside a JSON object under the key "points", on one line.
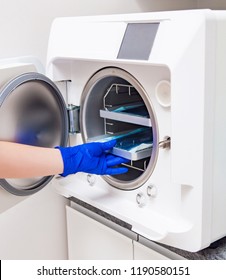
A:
{"points": [[155, 83]]}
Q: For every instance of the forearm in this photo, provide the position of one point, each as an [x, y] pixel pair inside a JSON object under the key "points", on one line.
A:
{"points": [[20, 161]]}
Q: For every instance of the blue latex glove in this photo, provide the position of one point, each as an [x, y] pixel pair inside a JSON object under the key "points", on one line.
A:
{"points": [[91, 158]]}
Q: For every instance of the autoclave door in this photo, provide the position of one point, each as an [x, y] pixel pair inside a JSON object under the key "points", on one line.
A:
{"points": [[33, 112]]}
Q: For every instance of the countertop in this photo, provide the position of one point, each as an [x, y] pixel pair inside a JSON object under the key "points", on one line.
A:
{"points": [[216, 251]]}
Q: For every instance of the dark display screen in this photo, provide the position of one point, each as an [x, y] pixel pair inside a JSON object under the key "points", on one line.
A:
{"points": [[138, 41]]}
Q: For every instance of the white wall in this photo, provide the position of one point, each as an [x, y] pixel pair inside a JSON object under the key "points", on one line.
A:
{"points": [[25, 24]]}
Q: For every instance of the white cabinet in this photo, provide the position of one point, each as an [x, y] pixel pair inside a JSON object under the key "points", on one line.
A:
{"points": [[90, 239], [142, 252], [34, 228]]}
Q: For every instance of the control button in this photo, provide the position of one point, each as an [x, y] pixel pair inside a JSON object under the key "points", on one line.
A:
{"points": [[152, 191], [91, 179], [141, 199]]}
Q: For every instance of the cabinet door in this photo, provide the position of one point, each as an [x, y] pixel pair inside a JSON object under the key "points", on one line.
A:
{"points": [[35, 228], [89, 239], [142, 252]]}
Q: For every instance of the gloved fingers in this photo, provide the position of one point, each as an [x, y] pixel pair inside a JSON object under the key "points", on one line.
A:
{"points": [[108, 145], [116, 171], [91, 158], [98, 148], [115, 160]]}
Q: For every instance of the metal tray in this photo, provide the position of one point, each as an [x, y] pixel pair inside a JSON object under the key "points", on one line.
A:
{"points": [[133, 113], [132, 145], [134, 156]]}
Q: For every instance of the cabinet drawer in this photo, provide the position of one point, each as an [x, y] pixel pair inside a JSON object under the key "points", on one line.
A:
{"points": [[142, 252], [89, 239]]}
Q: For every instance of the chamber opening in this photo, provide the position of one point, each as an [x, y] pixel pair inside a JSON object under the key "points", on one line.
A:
{"points": [[115, 106]]}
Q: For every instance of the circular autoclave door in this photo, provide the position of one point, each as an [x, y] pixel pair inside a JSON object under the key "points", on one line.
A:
{"points": [[115, 105], [32, 111]]}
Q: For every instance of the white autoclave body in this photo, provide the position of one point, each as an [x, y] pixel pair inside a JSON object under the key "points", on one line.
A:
{"points": [[180, 199], [174, 64]]}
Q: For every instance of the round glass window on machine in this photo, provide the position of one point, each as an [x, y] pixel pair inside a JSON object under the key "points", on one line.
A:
{"points": [[115, 106]]}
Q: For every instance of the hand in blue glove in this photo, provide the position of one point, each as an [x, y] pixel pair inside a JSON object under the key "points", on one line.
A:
{"points": [[91, 158]]}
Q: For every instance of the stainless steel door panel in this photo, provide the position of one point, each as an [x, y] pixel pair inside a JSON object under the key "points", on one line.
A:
{"points": [[33, 112]]}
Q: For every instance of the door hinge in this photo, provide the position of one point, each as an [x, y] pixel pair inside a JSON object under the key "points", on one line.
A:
{"points": [[73, 117]]}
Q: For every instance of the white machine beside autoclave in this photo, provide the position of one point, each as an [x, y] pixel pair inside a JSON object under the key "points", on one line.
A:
{"points": [[170, 63]]}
